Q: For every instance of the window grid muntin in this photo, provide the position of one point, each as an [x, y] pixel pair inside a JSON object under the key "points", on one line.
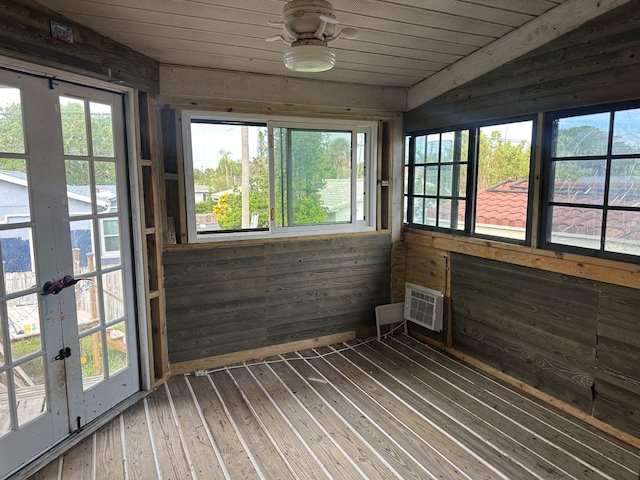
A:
{"points": [[604, 207], [437, 165]]}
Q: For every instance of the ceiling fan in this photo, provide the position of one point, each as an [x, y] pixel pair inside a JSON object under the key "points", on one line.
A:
{"points": [[309, 26]]}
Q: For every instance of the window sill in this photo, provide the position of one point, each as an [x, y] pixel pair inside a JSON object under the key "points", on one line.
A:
{"points": [[609, 271], [270, 239]]}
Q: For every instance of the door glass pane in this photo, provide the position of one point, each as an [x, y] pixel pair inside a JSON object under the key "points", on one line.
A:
{"points": [[110, 242], [11, 124], [112, 294], [623, 232], [74, 126], [117, 347], [5, 415], [91, 359], [31, 395], [83, 248], [3, 328], [626, 132], [101, 130], [24, 325], [17, 259], [78, 187], [581, 136], [106, 197], [88, 313], [14, 200]]}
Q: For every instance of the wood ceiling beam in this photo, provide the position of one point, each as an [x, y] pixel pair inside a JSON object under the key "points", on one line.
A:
{"points": [[539, 31]]}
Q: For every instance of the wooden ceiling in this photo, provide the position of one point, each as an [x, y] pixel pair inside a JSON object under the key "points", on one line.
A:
{"points": [[400, 42]]}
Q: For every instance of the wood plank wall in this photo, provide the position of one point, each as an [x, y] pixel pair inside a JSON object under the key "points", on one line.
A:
{"points": [[576, 339], [566, 324], [229, 298], [596, 63], [25, 35]]}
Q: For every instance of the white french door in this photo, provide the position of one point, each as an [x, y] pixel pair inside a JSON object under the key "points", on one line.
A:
{"points": [[67, 331]]}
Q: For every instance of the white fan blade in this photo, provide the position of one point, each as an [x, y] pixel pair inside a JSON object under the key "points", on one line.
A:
{"points": [[328, 19]]}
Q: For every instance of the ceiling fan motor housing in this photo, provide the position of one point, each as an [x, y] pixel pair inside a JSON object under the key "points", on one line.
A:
{"points": [[303, 17]]}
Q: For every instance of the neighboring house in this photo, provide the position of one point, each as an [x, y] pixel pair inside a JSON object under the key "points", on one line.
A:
{"points": [[201, 192], [336, 199], [14, 207]]}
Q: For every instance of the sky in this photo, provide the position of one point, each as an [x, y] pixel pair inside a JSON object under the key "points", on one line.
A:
{"points": [[208, 139]]}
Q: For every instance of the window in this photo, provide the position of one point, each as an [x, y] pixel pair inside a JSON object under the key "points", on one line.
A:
{"points": [[110, 236], [592, 196], [471, 180], [248, 177]]}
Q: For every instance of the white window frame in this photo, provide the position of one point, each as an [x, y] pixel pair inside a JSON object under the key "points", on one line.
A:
{"points": [[103, 244], [369, 128]]}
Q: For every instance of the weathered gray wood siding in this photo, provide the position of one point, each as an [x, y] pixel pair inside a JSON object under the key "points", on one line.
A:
{"points": [[576, 339], [233, 298], [25, 35], [617, 372], [596, 63]]}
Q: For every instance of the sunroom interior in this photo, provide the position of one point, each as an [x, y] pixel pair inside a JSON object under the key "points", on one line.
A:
{"points": [[229, 227]]}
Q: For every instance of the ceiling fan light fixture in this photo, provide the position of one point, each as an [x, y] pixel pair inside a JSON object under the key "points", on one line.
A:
{"points": [[309, 26], [309, 57]]}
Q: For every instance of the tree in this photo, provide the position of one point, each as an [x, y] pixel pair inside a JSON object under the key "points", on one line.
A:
{"points": [[230, 168], [501, 160], [229, 208], [75, 142], [301, 175]]}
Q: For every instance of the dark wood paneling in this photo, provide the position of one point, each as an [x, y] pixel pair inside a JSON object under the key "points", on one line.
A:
{"points": [[617, 382], [537, 326], [597, 63], [228, 299], [25, 35]]}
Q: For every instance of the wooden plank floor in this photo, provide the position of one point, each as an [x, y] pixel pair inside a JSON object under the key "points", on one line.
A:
{"points": [[376, 410]]}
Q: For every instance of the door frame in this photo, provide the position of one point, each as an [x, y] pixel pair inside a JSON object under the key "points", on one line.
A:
{"points": [[131, 128]]}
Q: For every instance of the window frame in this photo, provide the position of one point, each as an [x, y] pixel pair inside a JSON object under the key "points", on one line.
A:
{"points": [[472, 178], [370, 128], [103, 237], [548, 160]]}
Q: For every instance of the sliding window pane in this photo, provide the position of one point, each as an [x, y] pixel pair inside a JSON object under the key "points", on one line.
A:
{"points": [[230, 162], [313, 177]]}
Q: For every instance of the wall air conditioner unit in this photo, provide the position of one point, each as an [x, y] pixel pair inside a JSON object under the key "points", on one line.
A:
{"points": [[423, 306]]}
